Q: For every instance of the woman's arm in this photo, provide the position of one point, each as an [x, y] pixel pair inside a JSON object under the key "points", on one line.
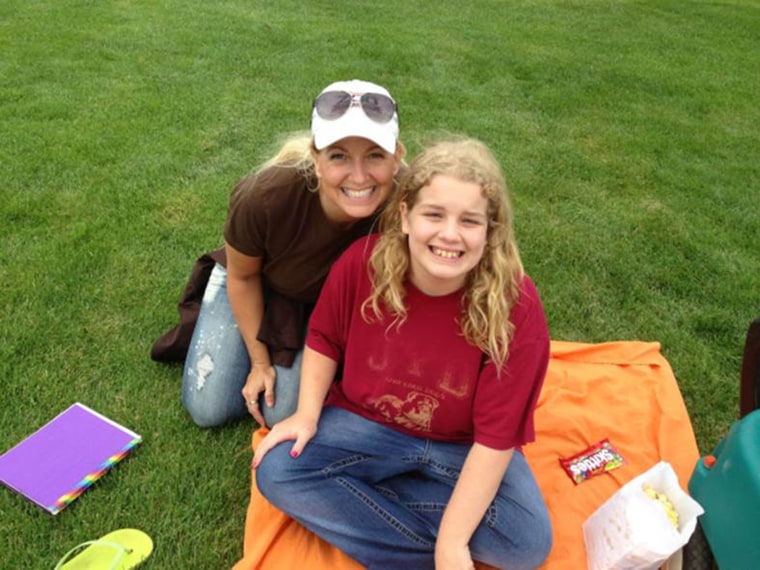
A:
{"points": [[481, 476], [317, 374], [246, 296]]}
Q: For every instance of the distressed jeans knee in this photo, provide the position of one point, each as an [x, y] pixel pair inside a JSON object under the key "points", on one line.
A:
{"points": [[217, 362], [217, 366]]}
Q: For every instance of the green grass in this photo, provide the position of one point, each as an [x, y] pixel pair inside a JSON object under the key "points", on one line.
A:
{"points": [[628, 132]]}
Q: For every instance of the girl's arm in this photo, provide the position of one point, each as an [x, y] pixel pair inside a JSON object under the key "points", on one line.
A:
{"points": [[481, 476], [317, 374], [246, 296]]}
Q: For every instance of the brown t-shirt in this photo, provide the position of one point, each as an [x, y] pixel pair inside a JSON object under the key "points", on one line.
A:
{"points": [[274, 215]]}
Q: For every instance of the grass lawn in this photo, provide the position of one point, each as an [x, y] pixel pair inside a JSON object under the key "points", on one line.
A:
{"points": [[628, 132]]}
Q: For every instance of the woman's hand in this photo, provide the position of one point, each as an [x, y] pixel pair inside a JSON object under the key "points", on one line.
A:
{"points": [[260, 379], [297, 427], [450, 556]]}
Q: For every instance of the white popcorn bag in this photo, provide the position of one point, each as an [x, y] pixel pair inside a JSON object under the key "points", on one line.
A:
{"points": [[633, 531]]}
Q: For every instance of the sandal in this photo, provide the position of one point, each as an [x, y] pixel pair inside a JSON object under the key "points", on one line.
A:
{"points": [[122, 549]]}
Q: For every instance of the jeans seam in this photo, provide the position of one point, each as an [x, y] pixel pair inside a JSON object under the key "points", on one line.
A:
{"points": [[382, 513], [387, 493], [445, 470], [342, 464], [414, 459], [491, 516], [426, 507]]}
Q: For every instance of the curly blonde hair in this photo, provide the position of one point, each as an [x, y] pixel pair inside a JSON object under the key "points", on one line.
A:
{"points": [[493, 285]]}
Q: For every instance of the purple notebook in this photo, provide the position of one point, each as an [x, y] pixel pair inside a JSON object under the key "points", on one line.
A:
{"points": [[59, 461]]}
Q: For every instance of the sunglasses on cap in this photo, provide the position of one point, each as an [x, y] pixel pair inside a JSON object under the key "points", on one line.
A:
{"points": [[332, 105]]}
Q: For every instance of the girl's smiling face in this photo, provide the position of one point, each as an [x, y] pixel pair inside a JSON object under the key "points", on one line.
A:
{"points": [[355, 178], [447, 229]]}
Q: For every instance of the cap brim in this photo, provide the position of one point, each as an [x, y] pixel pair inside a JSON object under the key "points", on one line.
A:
{"points": [[354, 123]]}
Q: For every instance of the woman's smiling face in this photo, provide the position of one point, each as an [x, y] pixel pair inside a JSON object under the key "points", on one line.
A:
{"points": [[447, 228], [355, 178]]}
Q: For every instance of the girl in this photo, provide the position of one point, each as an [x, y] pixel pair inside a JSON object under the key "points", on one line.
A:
{"points": [[413, 459], [286, 225]]}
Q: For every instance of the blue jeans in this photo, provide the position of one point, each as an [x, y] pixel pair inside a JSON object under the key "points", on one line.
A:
{"points": [[217, 366], [379, 495]]}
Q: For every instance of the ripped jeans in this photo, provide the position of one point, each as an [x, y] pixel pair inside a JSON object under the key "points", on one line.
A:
{"points": [[217, 366], [379, 495]]}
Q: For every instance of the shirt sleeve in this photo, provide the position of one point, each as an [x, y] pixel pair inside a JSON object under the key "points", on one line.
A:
{"points": [[247, 221], [330, 321], [505, 404]]}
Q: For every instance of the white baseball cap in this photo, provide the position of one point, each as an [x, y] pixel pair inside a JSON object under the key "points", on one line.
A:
{"points": [[354, 120]]}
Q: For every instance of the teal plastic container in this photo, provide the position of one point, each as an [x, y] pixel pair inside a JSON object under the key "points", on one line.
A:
{"points": [[727, 485]]}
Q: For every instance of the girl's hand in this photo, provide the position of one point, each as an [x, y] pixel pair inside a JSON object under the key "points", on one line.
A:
{"points": [[450, 556], [260, 379], [297, 427]]}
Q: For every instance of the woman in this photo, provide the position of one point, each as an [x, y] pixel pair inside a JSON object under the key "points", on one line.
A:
{"points": [[414, 461], [286, 225]]}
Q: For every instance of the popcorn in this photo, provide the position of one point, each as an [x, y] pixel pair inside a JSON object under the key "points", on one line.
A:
{"points": [[628, 531], [662, 498]]}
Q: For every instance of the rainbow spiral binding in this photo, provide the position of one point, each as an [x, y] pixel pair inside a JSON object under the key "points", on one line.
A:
{"points": [[88, 480]]}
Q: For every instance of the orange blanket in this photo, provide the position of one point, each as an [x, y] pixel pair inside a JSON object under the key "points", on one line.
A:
{"points": [[623, 391]]}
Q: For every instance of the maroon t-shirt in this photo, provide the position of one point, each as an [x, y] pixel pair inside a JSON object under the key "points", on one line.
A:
{"points": [[423, 378]]}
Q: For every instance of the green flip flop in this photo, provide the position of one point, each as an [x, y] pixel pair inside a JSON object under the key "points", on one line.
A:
{"points": [[122, 549]]}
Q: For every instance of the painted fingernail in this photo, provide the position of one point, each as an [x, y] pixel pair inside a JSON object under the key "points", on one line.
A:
{"points": [[294, 454]]}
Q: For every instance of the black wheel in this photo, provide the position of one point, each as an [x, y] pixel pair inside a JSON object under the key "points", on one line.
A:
{"points": [[697, 554]]}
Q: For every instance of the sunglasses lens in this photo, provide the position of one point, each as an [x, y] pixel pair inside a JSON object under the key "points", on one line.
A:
{"points": [[333, 104], [378, 107]]}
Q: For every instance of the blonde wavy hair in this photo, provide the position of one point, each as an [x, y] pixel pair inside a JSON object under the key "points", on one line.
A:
{"points": [[296, 152], [492, 286]]}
